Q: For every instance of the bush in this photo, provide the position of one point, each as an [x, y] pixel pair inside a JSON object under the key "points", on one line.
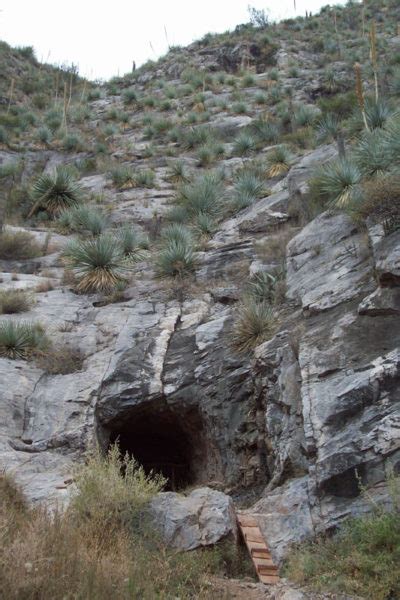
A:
{"points": [[244, 144], [360, 559], [129, 96], [21, 340], [14, 301], [99, 263], [379, 201], [18, 245], [122, 176], [60, 360], [95, 549], [72, 142], [254, 323], [55, 192], [176, 256]]}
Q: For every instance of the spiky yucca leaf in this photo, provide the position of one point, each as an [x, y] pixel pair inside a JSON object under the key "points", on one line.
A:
{"points": [[176, 233], [19, 340], [371, 154], [99, 263], [55, 192], [255, 323], [337, 182], [133, 245]]}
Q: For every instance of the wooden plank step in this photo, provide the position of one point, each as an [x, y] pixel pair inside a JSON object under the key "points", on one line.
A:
{"points": [[267, 570], [253, 536], [247, 521], [265, 562], [260, 554]]}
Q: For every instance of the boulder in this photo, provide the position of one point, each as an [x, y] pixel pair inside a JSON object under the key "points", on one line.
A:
{"points": [[202, 518]]}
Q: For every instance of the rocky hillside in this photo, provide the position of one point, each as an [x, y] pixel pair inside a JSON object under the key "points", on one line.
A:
{"points": [[201, 260]]}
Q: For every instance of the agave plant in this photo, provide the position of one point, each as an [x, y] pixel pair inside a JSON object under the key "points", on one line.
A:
{"points": [[278, 161], [20, 340], [255, 323], [55, 192], [338, 182], [99, 264]]}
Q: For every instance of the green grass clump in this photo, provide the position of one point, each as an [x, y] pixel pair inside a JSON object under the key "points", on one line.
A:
{"points": [[99, 264], [244, 144], [55, 192], [21, 340], [360, 559], [278, 161], [204, 195], [122, 176], [83, 218]]}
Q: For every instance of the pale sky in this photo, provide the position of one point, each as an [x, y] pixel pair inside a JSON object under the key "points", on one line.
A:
{"points": [[103, 37]]}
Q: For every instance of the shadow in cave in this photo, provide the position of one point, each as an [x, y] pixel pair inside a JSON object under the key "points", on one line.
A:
{"points": [[159, 443]]}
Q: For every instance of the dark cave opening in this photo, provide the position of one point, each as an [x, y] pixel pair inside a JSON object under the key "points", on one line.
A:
{"points": [[165, 443]]}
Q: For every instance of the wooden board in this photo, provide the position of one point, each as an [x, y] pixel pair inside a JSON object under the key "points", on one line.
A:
{"points": [[260, 555]]}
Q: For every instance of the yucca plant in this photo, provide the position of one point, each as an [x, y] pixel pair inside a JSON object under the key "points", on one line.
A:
{"points": [[44, 135], [244, 144], [133, 245], [337, 183], [254, 323], [278, 161], [240, 108], [20, 340], [176, 233], [55, 192], [204, 195], [144, 178], [305, 115], [175, 259], [329, 128], [392, 140], [83, 218], [249, 182], [129, 96], [177, 172], [204, 225], [99, 264], [371, 154], [265, 130], [122, 176]]}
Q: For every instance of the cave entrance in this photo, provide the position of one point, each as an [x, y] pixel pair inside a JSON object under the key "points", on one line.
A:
{"points": [[164, 443]]}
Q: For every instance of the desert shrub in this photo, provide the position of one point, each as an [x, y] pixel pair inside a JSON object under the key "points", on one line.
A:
{"points": [[254, 323], [360, 559], [379, 201], [336, 183], [248, 80], [209, 153], [96, 547], [240, 108], [14, 301], [341, 105], [195, 136], [60, 360], [21, 340], [94, 94], [99, 264], [72, 142], [305, 115], [18, 245], [55, 192], [248, 187], [204, 225]]}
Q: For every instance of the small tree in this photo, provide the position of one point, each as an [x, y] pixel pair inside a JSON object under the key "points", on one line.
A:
{"points": [[258, 17]]}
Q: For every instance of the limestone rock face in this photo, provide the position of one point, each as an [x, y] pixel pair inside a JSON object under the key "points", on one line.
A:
{"points": [[202, 518]]}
